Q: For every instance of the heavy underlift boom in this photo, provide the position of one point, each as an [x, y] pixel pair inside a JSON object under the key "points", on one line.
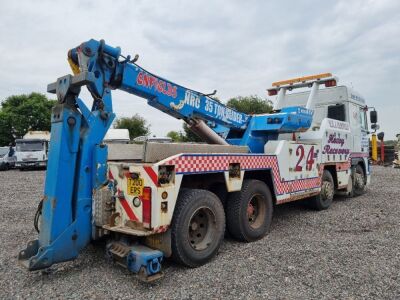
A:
{"points": [[77, 162]]}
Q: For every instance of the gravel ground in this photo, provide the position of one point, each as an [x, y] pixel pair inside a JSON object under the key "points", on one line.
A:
{"points": [[350, 251]]}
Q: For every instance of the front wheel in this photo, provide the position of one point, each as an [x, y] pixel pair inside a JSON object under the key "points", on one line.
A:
{"points": [[197, 228], [325, 197], [358, 181]]}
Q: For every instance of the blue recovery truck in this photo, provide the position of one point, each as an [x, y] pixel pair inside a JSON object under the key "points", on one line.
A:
{"points": [[173, 200]]}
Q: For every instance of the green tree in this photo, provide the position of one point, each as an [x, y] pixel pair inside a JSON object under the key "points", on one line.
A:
{"points": [[136, 125], [189, 135], [176, 136], [20, 113], [250, 104]]}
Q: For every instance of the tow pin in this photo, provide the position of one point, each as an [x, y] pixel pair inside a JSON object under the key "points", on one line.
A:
{"points": [[71, 121]]}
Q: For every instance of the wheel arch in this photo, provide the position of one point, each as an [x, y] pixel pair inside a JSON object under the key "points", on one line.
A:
{"points": [[264, 175], [359, 161], [332, 170], [214, 181], [203, 181]]}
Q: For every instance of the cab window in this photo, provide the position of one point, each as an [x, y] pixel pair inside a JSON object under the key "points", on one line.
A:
{"points": [[337, 112]]}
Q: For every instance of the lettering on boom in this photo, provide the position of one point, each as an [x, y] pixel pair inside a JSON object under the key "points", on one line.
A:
{"points": [[227, 114], [153, 83], [211, 107]]}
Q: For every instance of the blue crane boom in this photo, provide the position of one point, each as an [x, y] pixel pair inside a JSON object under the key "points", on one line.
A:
{"points": [[180, 102], [228, 126]]}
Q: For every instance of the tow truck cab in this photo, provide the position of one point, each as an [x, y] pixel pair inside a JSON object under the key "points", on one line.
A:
{"points": [[343, 104]]}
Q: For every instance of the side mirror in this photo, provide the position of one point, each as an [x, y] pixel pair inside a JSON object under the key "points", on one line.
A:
{"points": [[375, 127], [373, 116]]}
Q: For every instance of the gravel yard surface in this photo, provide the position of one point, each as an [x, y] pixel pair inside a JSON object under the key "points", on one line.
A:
{"points": [[350, 251]]}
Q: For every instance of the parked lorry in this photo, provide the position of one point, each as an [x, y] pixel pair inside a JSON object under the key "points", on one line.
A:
{"points": [[120, 136], [156, 200], [7, 158], [32, 150]]}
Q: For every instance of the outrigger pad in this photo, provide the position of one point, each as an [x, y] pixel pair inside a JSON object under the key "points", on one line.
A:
{"points": [[142, 256], [30, 251], [139, 259]]}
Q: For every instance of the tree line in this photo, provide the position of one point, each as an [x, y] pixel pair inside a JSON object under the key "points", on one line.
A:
{"points": [[20, 113]]}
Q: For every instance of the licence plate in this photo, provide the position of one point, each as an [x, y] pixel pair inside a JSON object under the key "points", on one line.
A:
{"points": [[135, 186]]}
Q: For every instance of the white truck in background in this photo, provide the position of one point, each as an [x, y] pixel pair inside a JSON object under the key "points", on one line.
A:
{"points": [[32, 150], [119, 136]]}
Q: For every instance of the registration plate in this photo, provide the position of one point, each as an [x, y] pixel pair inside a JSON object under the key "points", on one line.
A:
{"points": [[135, 186]]}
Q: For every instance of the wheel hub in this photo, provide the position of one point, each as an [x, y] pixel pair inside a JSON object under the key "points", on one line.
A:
{"points": [[256, 211], [359, 181], [251, 211], [327, 190], [202, 228]]}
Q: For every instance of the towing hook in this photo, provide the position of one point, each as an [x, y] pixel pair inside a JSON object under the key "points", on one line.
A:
{"points": [[211, 94], [135, 59], [154, 266]]}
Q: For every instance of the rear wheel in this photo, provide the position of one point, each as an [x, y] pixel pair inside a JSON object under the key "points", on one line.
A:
{"points": [[325, 197], [197, 228], [249, 212], [358, 181]]}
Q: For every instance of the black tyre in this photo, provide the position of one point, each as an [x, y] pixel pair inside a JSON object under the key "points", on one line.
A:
{"points": [[325, 197], [249, 212], [197, 228], [358, 180]]}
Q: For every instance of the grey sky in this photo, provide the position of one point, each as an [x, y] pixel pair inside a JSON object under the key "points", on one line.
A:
{"points": [[236, 47]]}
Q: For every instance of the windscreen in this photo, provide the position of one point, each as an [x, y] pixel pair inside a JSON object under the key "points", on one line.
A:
{"points": [[24, 146]]}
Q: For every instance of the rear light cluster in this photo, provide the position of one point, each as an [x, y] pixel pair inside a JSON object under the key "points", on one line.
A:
{"points": [[272, 92], [146, 206]]}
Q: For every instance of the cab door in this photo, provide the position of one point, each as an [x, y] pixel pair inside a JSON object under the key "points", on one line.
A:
{"points": [[355, 126], [364, 130]]}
